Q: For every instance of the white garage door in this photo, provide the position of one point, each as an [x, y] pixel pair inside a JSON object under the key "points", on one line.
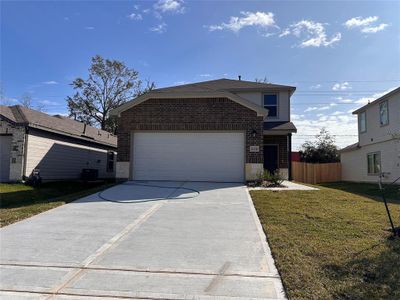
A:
{"points": [[5, 149], [191, 156]]}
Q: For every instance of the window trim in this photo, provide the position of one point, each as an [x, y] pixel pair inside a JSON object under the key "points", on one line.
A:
{"points": [[359, 121], [277, 104], [380, 163], [109, 170], [387, 111]]}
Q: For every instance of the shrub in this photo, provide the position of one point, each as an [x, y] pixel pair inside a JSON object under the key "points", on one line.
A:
{"points": [[275, 178]]}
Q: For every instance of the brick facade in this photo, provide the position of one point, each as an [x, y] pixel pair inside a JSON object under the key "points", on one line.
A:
{"points": [[211, 114], [17, 148], [282, 142]]}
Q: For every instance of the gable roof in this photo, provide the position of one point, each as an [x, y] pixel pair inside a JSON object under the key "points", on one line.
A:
{"points": [[220, 88], [224, 84], [57, 124], [391, 93]]}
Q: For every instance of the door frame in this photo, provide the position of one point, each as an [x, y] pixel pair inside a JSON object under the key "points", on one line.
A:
{"points": [[277, 153]]}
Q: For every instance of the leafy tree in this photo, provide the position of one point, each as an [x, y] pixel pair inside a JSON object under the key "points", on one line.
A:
{"points": [[110, 84], [323, 150]]}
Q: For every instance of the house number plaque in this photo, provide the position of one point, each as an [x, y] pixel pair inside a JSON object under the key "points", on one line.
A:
{"points": [[254, 148]]}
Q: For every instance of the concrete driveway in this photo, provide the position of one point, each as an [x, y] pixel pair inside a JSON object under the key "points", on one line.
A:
{"points": [[195, 245]]}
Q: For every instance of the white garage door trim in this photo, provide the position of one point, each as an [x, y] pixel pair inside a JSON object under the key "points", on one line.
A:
{"points": [[188, 155]]}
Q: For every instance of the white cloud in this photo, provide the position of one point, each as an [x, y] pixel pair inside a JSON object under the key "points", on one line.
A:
{"points": [[341, 100], [320, 108], [312, 33], [366, 25], [48, 102], [89, 27], [50, 82], [375, 29], [285, 32], [339, 124], [135, 17], [263, 20], [315, 87], [312, 108], [341, 86], [136, 6], [205, 75], [170, 6], [160, 28], [360, 22]]}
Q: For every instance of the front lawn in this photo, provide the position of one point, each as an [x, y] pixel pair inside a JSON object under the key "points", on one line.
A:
{"points": [[332, 243], [19, 201]]}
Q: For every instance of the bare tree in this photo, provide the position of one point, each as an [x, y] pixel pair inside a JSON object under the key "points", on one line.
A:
{"points": [[262, 80]]}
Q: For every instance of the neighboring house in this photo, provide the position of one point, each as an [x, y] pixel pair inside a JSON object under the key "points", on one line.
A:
{"points": [[220, 130], [378, 146], [58, 146]]}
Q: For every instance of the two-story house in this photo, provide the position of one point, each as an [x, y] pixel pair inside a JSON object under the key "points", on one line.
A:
{"points": [[378, 148], [219, 130]]}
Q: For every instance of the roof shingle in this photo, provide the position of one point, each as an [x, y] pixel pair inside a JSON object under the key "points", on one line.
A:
{"points": [[60, 124]]}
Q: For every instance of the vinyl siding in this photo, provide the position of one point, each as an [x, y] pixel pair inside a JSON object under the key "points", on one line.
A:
{"points": [[355, 166], [59, 158], [375, 132], [283, 105]]}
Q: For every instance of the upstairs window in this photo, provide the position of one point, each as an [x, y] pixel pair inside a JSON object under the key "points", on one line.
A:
{"points": [[374, 163], [362, 122], [271, 103], [383, 113], [110, 161]]}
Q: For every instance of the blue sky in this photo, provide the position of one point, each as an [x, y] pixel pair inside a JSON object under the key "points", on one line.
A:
{"points": [[339, 54]]}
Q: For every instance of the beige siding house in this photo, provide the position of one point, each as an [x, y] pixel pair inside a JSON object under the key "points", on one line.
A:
{"points": [[58, 146], [377, 151]]}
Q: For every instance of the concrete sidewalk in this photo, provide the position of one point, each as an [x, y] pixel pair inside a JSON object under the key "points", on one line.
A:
{"points": [[193, 246]]}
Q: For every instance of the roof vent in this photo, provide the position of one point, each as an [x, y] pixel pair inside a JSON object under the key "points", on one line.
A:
{"points": [[240, 77]]}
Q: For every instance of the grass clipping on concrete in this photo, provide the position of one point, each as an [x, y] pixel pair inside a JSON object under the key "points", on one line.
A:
{"points": [[19, 201], [331, 243]]}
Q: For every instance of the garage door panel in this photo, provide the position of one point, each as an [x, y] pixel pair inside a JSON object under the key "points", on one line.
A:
{"points": [[217, 156]]}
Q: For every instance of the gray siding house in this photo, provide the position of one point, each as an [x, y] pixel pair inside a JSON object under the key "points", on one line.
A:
{"points": [[56, 145], [377, 152]]}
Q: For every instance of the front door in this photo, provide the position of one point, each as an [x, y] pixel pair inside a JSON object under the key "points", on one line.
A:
{"points": [[271, 157]]}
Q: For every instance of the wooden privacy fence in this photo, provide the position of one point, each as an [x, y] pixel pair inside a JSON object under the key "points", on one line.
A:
{"points": [[316, 173]]}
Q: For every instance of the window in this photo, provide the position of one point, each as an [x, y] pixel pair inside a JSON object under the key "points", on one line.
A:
{"points": [[362, 122], [271, 103], [383, 113], [110, 161], [374, 163]]}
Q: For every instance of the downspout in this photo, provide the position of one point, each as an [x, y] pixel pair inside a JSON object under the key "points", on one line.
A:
{"points": [[289, 142]]}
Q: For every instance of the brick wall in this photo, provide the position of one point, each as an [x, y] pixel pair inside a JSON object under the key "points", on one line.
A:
{"points": [[280, 140], [17, 147], [192, 115]]}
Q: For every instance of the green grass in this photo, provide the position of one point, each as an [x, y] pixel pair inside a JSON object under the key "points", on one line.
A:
{"points": [[332, 243], [19, 201]]}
